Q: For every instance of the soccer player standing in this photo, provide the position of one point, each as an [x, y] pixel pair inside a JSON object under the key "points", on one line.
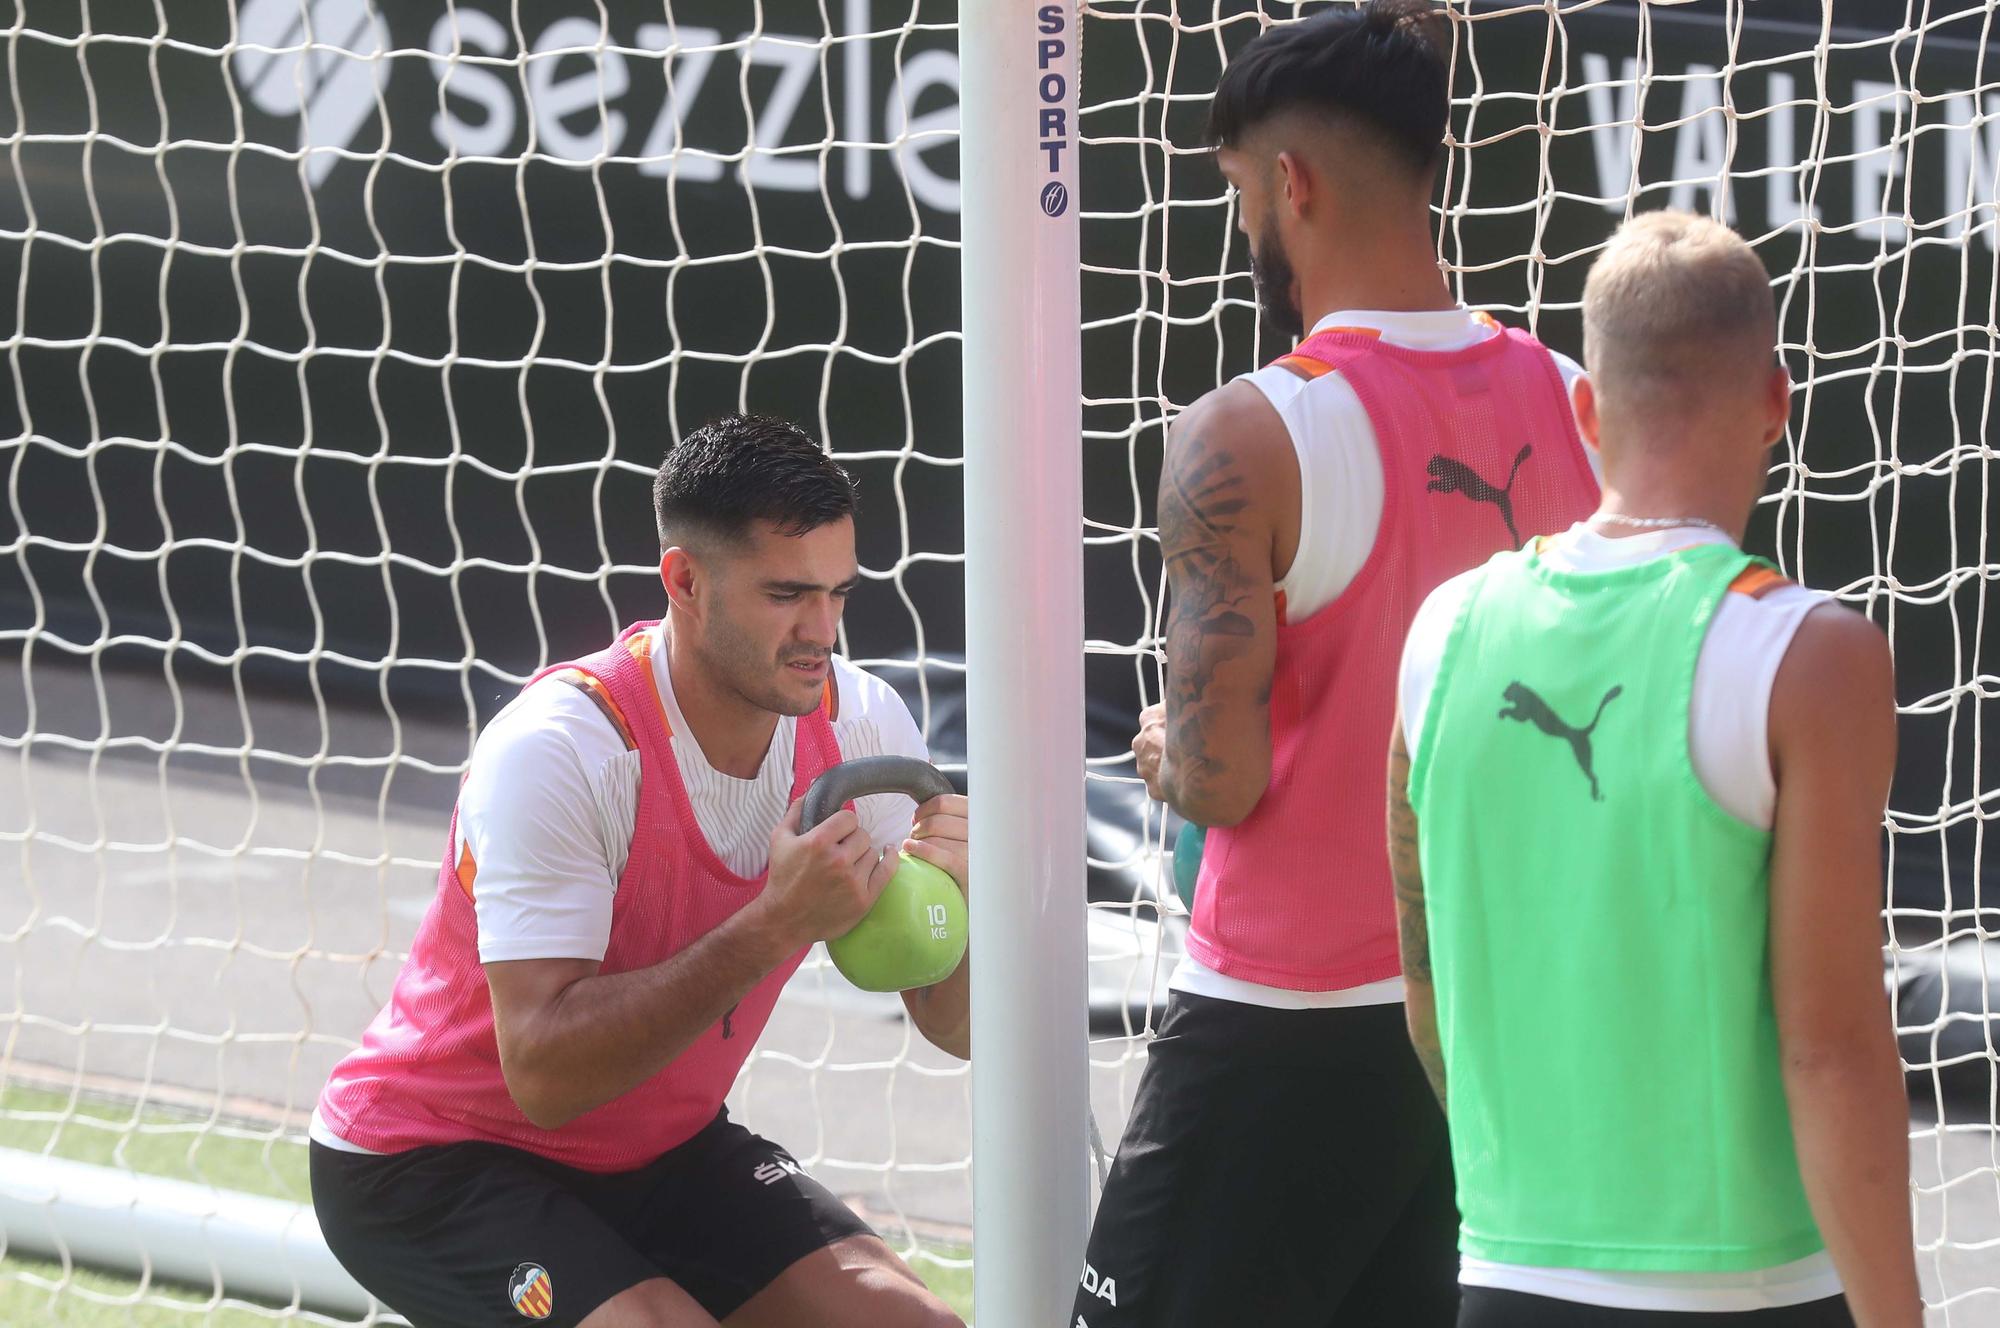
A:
{"points": [[533, 1126], [1284, 1162], [1635, 814]]}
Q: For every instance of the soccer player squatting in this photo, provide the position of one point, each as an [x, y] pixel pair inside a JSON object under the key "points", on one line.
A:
{"points": [[533, 1128]]}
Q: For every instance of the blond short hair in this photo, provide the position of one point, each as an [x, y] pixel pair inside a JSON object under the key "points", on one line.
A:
{"points": [[1676, 306]]}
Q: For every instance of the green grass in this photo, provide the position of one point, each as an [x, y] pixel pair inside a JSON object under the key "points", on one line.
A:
{"points": [[155, 1142], [952, 1283], [163, 1143], [82, 1301]]}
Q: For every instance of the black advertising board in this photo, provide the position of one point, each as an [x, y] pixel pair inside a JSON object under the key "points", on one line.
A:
{"points": [[394, 399]]}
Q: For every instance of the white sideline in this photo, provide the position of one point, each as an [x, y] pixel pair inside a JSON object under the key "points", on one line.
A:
{"points": [[119, 1221]]}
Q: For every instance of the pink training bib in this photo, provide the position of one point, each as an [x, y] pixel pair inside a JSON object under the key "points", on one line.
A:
{"points": [[1479, 451], [428, 1068]]}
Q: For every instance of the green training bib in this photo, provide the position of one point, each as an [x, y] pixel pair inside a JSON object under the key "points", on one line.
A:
{"points": [[1598, 930]]}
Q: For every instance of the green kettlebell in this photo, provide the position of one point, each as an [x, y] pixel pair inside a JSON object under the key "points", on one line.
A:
{"points": [[1187, 860], [914, 933]]}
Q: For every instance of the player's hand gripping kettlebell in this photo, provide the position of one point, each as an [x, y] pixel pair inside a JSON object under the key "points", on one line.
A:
{"points": [[914, 933]]}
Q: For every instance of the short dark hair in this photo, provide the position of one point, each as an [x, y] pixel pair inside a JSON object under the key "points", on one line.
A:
{"points": [[744, 468], [1384, 63]]}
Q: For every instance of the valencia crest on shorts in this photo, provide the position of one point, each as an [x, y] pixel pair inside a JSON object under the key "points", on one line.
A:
{"points": [[531, 1291]]}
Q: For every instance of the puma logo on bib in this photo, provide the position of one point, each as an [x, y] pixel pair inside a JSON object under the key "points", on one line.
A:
{"points": [[1450, 475], [1525, 706]]}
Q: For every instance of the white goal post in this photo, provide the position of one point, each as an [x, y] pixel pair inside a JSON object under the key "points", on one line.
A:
{"points": [[1024, 654]]}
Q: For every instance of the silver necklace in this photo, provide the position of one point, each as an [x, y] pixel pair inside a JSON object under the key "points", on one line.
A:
{"points": [[1655, 522]]}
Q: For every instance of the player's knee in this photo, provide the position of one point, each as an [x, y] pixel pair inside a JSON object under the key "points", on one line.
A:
{"points": [[656, 1303], [897, 1299], [933, 1313], [939, 1315]]}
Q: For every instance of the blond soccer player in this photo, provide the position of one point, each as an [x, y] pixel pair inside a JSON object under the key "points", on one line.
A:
{"points": [[1636, 795]]}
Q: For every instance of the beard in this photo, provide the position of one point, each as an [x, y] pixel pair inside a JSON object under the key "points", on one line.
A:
{"points": [[1272, 276], [749, 668]]}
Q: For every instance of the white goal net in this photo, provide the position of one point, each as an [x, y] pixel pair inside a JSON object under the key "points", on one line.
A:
{"points": [[348, 335]]}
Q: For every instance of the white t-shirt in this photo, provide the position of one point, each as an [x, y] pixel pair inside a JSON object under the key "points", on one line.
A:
{"points": [[1340, 511], [548, 806], [1728, 741]]}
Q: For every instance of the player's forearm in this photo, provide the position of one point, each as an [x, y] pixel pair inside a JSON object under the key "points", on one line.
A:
{"points": [[604, 1035], [1209, 778], [1420, 1012], [942, 1012], [1413, 935], [1850, 1123]]}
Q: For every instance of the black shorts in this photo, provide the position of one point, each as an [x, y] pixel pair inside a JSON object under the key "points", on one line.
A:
{"points": [[1488, 1307], [473, 1235], [1280, 1167]]}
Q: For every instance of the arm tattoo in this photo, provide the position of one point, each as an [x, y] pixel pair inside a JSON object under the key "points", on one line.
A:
{"points": [[1412, 922], [1203, 496]]}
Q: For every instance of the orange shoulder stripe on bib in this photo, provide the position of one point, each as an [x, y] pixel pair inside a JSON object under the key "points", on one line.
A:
{"points": [[640, 644], [1757, 581], [601, 698], [1305, 366]]}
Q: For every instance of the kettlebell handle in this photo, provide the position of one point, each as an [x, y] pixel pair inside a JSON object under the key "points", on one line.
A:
{"points": [[864, 775]]}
